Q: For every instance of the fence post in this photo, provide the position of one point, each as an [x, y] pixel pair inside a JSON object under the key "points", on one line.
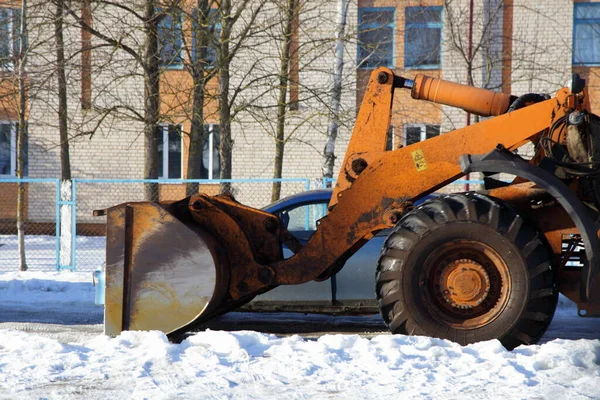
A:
{"points": [[67, 223], [57, 224]]}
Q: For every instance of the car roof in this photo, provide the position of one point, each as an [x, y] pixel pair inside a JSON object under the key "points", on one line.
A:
{"points": [[315, 196], [310, 196]]}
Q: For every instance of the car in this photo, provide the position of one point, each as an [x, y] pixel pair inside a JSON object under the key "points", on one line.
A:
{"points": [[349, 291]]}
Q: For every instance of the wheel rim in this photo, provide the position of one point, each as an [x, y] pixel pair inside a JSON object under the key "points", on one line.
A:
{"points": [[466, 284]]}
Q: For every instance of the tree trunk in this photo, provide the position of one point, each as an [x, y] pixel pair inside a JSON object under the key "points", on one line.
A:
{"points": [[151, 99], [65, 161], [336, 95], [223, 61], [66, 211], [22, 129], [194, 166], [284, 72]]}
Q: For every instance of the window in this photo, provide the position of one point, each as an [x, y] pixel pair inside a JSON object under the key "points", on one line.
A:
{"points": [[422, 37], [8, 150], [10, 22], [170, 41], [376, 31], [415, 133], [169, 152], [389, 141], [304, 217], [586, 34], [214, 31], [211, 162]]}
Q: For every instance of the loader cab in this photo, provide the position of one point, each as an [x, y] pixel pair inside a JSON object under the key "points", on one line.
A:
{"points": [[299, 213]]}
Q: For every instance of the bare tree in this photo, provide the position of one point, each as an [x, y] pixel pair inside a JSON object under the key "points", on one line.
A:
{"points": [[21, 136], [147, 57], [290, 10], [65, 160], [336, 94]]}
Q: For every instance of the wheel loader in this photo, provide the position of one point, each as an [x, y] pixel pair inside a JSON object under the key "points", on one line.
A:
{"points": [[466, 267]]}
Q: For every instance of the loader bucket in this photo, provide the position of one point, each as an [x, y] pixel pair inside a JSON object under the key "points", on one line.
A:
{"points": [[161, 273]]}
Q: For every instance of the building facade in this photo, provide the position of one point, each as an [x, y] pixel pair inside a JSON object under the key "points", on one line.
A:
{"points": [[513, 46]]}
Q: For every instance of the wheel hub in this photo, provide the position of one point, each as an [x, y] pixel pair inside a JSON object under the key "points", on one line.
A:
{"points": [[464, 283]]}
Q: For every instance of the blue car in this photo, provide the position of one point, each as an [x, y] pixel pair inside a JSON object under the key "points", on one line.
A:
{"points": [[350, 291]]}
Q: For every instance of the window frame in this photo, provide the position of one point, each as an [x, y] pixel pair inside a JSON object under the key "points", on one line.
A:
{"points": [[216, 27], [423, 127], [10, 65], [171, 64], [361, 62], [165, 156], [439, 25], [578, 22]]}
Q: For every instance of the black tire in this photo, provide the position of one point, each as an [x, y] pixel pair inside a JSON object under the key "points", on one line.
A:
{"points": [[500, 262]]}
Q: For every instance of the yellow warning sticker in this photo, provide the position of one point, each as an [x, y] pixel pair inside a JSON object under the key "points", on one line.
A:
{"points": [[419, 160]]}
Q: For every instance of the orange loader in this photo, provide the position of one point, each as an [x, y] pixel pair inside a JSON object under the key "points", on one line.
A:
{"points": [[465, 267]]}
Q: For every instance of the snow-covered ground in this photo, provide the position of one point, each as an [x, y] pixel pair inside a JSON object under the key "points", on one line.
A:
{"points": [[41, 252], [252, 365]]}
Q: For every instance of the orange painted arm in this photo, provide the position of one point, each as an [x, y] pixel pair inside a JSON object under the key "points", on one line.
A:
{"points": [[371, 197]]}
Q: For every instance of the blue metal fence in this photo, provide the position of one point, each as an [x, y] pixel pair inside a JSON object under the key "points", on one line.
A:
{"points": [[83, 235]]}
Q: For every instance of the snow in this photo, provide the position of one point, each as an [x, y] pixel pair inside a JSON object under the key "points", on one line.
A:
{"points": [[252, 365], [41, 252]]}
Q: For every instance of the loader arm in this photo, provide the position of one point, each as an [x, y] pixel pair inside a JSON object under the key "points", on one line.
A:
{"points": [[230, 252]]}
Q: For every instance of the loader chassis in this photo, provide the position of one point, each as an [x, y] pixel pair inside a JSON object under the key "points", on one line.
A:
{"points": [[465, 290]]}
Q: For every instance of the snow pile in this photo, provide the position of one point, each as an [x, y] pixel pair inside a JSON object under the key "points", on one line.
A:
{"points": [[252, 365]]}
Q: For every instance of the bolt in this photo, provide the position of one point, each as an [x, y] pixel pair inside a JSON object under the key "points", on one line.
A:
{"points": [[271, 224], [265, 275], [382, 77], [242, 287], [359, 165], [394, 217]]}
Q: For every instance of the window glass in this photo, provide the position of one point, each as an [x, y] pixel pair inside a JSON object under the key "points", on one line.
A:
{"points": [[419, 132], [305, 217], [174, 160], [211, 148], [413, 135], [389, 142], [422, 37], [376, 30], [586, 34], [170, 40], [26, 153], [5, 149], [169, 151], [161, 153], [214, 30], [432, 131], [8, 150], [10, 21]]}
